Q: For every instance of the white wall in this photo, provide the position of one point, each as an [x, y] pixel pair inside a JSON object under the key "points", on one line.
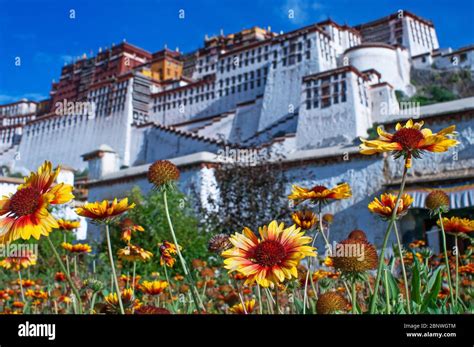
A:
{"points": [[393, 65], [64, 139]]}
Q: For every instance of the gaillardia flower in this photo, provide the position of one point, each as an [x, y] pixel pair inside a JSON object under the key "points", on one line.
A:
{"points": [[25, 213], [410, 141], [357, 235], [320, 193], [456, 225], [331, 302], [355, 255], [437, 201], [270, 259], [76, 248], [162, 173], [105, 210], [304, 219], [153, 287], [134, 253], [18, 263], [59, 277], [219, 243], [167, 253], [384, 207], [246, 308], [68, 225], [128, 300], [128, 227]]}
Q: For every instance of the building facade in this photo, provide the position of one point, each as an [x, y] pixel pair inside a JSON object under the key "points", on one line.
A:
{"points": [[308, 94]]}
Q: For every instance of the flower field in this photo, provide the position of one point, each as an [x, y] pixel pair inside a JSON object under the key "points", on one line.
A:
{"points": [[264, 269]]}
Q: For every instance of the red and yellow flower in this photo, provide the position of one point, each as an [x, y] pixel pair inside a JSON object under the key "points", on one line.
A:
{"points": [[245, 308], [270, 259], [304, 219], [128, 300], [384, 207], [456, 225], [153, 287], [105, 210], [417, 244], [320, 193], [168, 252], [25, 213], [128, 227], [76, 248], [134, 253], [59, 277], [467, 269], [68, 225], [19, 262], [410, 141], [25, 283], [36, 294]]}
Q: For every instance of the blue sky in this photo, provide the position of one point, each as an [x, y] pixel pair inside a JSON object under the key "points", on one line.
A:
{"points": [[41, 33]]}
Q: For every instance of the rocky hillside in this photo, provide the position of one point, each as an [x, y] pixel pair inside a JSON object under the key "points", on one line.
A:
{"points": [[437, 86]]}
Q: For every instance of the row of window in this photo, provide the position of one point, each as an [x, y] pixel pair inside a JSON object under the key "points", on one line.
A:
{"points": [[421, 34], [326, 95], [177, 95], [52, 125], [246, 76], [292, 52], [243, 87]]}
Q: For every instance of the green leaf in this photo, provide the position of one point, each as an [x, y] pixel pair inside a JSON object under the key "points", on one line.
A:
{"points": [[416, 282], [392, 284], [433, 288]]}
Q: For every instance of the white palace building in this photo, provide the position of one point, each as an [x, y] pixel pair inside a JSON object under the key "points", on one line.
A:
{"points": [[308, 94]]}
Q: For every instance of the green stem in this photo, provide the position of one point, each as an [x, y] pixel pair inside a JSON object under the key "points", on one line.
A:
{"points": [[387, 293], [169, 287], [354, 297], [328, 246], [269, 300], [240, 295], [66, 256], [196, 298], [259, 294], [68, 277], [373, 301], [446, 259], [457, 267], [112, 265], [308, 274], [21, 287], [75, 267], [91, 309], [277, 305], [405, 278]]}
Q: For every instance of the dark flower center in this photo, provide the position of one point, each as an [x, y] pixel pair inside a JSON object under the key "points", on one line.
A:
{"points": [[269, 253], [318, 189], [25, 201], [409, 138]]}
